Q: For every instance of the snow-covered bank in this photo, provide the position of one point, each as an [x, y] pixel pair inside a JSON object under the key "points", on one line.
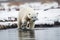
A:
{"points": [[8, 23], [49, 16], [45, 17], [40, 6]]}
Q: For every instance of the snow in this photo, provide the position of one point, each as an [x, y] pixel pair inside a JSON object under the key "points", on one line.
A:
{"points": [[40, 6], [8, 23], [49, 16], [44, 17]]}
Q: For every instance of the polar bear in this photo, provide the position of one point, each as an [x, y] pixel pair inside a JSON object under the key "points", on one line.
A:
{"points": [[26, 16]]}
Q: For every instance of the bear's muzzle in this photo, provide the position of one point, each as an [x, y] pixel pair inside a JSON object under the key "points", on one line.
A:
{"points": [[35, 19]]}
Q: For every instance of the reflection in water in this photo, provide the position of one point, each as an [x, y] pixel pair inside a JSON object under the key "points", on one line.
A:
{"points": [[26, 35], [52, 33]]}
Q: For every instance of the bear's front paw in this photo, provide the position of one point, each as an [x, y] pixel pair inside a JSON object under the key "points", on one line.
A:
{"points": [[19, 28]]}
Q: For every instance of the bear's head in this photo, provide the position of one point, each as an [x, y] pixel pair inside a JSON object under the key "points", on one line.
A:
{"points": [[32, 15], [29, 13]]}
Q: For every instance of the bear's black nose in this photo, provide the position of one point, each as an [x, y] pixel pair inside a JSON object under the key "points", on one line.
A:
{"points": [[34, 20]]}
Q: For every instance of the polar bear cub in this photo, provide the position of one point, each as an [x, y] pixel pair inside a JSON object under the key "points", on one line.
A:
{"points": [[26, 17]]}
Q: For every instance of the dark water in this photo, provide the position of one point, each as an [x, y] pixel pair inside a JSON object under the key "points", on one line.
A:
{"points": [[52, 33]]}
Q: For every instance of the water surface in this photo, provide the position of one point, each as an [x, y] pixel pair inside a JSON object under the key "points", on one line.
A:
{"points": [[52, 33]]}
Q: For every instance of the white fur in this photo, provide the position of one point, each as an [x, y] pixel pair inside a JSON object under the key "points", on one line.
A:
{"points": [[24, 12]]}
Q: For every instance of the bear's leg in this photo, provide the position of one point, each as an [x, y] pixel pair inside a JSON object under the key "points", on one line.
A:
{"points": [[31, 25], [24, 24], [19, 24]]}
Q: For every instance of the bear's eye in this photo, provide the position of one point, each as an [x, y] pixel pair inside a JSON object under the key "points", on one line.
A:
{"points": [[31, 17], [29, 14]]}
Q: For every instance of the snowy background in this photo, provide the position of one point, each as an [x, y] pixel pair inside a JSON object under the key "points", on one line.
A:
{"points": [[48, 12]]}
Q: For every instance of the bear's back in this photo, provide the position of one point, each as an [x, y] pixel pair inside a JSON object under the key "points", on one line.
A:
{"points": [[24, 11]]}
